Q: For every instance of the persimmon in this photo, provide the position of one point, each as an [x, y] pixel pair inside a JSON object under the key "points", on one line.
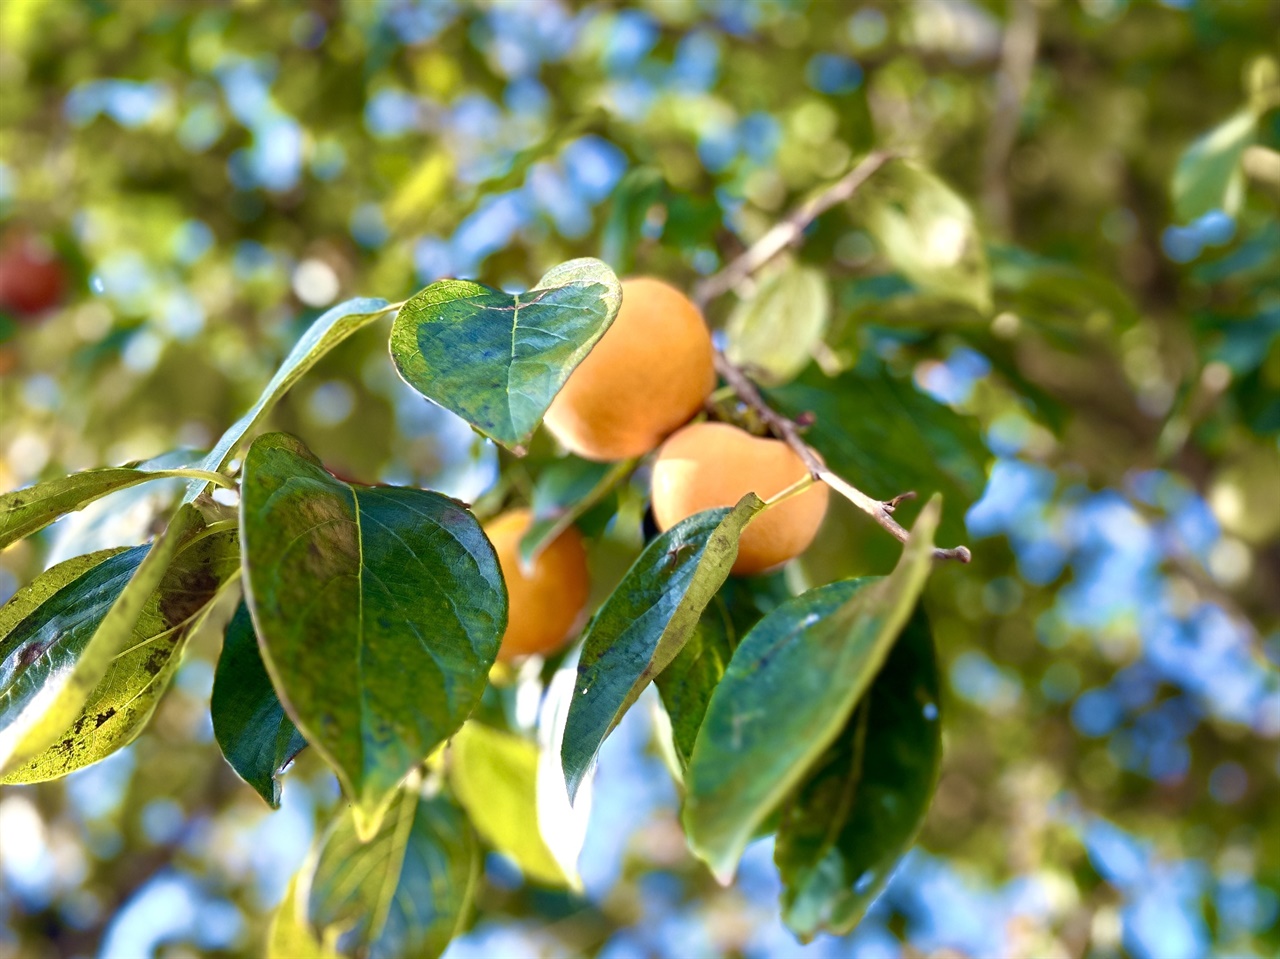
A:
{"points": [[706, 465], [545, 603], [648, 375]]}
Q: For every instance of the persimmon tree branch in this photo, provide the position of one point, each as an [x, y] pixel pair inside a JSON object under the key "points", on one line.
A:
{"points": [[777, 239]]}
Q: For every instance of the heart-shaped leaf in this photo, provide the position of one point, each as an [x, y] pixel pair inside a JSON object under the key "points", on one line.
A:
{"points": [[60, 635], [790, 688], [645, 622], [253, 731], [379, 612], [122, 703], [328, 330], [498, 359], [845, 828], [403, 892]]}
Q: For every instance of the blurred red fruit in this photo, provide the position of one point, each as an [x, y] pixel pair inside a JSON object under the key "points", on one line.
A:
{"points": [[31, 277]]}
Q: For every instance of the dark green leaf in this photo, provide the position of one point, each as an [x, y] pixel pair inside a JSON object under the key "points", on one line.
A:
{"points": [[495, 777], [379, 611], [498, 359], [687, 684], [255, 734], [64, 633], [843, 831], [406, 891], [1209, 176], [886, 437], [565, 490], [927, 231], [644, 624], [324, 334], [30, 510], [121, 705], [790, 688]]}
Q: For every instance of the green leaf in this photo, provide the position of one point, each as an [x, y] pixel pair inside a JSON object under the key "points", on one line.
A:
{"points": [[329, 329], [790, 688], [637, 191], [63, 636], [911, 442], [30, 510], [566, 490], [1209, 175], [289, 936], [404, 892], [379, 612], [121, 705], [498, 359], [253, 731], [774, 332], [495, 777], [687, 684], [644, 624], [927, 231], [845, 828]]}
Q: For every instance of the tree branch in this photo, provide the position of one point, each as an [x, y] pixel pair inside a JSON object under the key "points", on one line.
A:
{"points": [[777, 239], [789, 230], [787, 431]]}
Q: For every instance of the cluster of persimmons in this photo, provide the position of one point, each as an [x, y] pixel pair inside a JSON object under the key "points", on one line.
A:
{"points": [[640, 389]]}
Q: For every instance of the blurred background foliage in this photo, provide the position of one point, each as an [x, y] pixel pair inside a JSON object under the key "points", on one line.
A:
{"points": [[184, 185]]}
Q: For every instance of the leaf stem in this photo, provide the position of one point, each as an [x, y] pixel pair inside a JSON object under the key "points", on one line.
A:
{"points": [[208, 476], [795, 489]]}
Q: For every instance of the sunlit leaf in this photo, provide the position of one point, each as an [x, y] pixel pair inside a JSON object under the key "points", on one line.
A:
{"points": [[845, 828], [645, 622], [774, 331], [927, 231], [791, 686], [328, 330], [379, 611], [255, 734], [65, 634], [121, 705], [495, 777], [1208, 175], [290, 936], [404, 892], [498, 359]]}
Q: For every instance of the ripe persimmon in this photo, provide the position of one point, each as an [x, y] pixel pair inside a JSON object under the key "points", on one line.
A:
{"points": [[706, 465], [545, 603], [649, 374]]}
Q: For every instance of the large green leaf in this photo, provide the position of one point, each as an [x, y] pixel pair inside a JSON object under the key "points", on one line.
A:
{"points": [[122, 703], [790, 688], [886, 437], [644, 624], [498, 359], [845, 828], [64, 634], [687, 684], [1209, 175], [927, 231], [379, 612], [774, 331], [406, 891], [566, 490], [495, 777], [255, 734], [30, 510], [328, 330]]}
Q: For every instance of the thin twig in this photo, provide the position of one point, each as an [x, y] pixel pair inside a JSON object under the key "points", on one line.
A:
{"points": [[787, 431], [789, 230]]}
